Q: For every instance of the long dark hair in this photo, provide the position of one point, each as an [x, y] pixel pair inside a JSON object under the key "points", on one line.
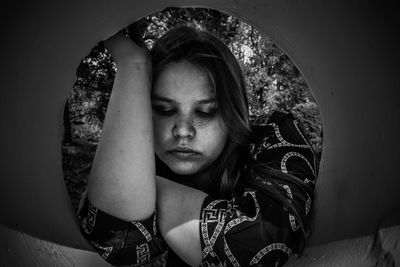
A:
{"points": [[235, 168]]}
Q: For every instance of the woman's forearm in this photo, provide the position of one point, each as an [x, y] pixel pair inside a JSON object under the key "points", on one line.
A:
{"points": [[122, 180], [178, 218]]}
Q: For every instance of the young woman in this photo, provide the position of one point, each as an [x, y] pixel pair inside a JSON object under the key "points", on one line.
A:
{"points": [[180, 176]]}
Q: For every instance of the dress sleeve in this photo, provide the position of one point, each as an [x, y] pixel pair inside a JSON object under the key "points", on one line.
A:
{"points": [[247, 230], [120, 242]]}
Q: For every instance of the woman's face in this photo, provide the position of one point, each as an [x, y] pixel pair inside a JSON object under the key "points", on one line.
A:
{"points": [[189, 133]]}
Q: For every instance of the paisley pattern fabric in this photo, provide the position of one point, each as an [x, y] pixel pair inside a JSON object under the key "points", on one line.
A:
{"points": [[250, 229]]}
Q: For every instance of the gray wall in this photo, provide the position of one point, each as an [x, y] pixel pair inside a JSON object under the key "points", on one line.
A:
{"points": [[347, 52]]}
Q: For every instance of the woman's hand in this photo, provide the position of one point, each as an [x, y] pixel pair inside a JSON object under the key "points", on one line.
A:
{"points": [[124, 51]]}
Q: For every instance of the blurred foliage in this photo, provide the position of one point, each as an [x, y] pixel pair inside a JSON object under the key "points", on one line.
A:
{"points": [[273, 83]]}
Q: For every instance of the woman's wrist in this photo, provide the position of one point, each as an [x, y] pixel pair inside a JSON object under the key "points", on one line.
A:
{"points": [[131, 63], [126, 53]]}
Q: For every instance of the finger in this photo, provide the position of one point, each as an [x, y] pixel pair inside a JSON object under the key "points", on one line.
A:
{"points": [[134, 32]]}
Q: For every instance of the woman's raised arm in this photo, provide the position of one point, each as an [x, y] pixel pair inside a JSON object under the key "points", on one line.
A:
{"points": [[122, 179]]}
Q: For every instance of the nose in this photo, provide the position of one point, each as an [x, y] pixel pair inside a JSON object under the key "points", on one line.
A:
{"points": [[183, 128]]}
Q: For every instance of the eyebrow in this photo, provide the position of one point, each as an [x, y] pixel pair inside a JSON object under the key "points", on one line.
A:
{"points": [[171, 101]]}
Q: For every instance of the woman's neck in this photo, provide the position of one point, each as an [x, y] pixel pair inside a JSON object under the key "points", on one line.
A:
{"points": [[205, 180]]}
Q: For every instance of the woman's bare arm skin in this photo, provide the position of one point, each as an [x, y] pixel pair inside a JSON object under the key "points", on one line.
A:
{"points": [[122, 179], [178, 218]]}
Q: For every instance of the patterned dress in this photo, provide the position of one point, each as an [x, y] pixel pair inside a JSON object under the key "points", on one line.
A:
{"points": [[249, 229]]}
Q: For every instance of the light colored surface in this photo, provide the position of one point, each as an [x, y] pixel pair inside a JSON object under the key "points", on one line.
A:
{"points": [[348, 53], [20, 250], [352, 252]]}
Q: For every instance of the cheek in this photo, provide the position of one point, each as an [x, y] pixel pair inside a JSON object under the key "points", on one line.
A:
{"points": [[161, 129], [216, 138]]}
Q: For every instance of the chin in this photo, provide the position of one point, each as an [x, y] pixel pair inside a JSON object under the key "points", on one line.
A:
{"points": [[183, 170], [183, 167]]}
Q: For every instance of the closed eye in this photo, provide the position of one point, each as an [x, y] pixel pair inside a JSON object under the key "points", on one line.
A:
{"points": [[207, 113], [163, 111]]}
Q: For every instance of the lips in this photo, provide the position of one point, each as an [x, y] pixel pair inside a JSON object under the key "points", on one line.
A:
{"points": [[183, 153]]}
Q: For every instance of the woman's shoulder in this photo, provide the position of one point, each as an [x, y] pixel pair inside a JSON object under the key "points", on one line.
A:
{"points": [[278, 123], [265, 118], [280, 142]]}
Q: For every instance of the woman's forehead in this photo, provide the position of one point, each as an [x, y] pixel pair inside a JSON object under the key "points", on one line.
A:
{"points": [[183, 81]]}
